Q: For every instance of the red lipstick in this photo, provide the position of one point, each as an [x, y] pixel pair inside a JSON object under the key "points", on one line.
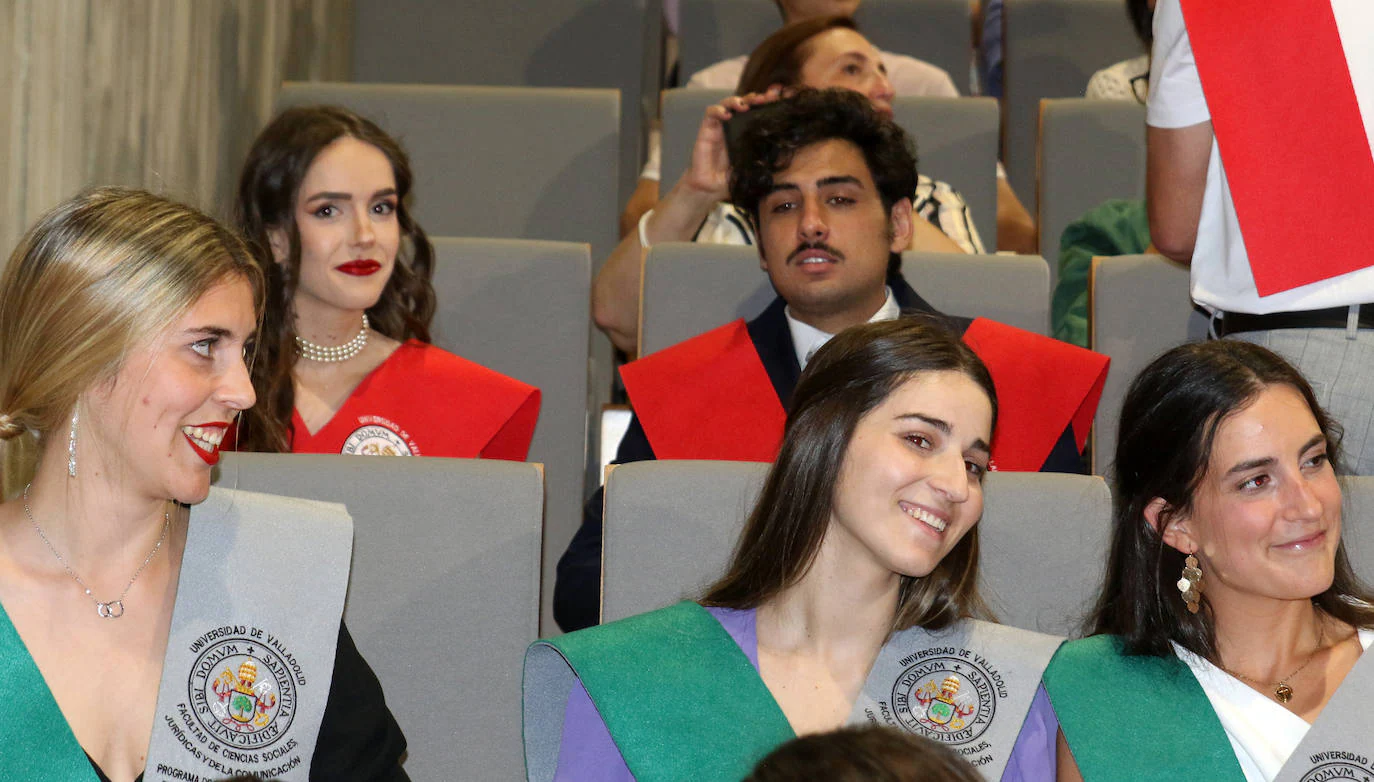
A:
{"points": [[211, 456], [360, 268]]}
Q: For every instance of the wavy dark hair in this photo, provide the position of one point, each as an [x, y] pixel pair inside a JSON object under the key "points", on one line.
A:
{"points": [[1142, 20], [848, 377], [1169, 423], [779, 59], [767, 145], [268, 185], [872, 753]]}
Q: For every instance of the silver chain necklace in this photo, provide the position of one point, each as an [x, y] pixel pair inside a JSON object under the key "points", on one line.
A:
{"points": [[333, 353], [111, 609]]}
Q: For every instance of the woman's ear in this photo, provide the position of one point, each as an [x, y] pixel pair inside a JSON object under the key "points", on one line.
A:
{"points": [[1172, 526], [279, 243]]}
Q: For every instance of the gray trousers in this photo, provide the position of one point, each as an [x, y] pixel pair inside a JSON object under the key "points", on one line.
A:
{"points": [[1341, 371]]}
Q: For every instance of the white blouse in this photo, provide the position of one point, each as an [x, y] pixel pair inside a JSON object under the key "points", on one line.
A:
{"points": [[1263, 734]]}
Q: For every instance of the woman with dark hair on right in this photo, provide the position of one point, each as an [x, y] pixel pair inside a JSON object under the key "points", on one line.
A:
{"points": [[852, 597], [1228, 638]]}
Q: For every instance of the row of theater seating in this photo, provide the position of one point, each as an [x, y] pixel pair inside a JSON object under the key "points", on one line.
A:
{"points": [[444, 594], [523, 308], [1051, 48], [534, 163]]}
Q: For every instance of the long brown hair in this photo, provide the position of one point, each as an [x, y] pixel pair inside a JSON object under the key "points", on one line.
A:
{"points": [[1169, 422], [268, 187], [779, 59], [846, 379]]}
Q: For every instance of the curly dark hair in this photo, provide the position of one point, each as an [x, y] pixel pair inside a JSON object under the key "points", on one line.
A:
{"points": [[1169, 422], [268, 185], [774, 135]]}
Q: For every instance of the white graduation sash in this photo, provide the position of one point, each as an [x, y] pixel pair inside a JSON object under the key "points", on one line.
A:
{"points": [[968, 687], [251, 650], [1340, 744]]}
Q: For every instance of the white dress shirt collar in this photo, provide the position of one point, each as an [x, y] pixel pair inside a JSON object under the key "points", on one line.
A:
{"points": [[806, 340]]}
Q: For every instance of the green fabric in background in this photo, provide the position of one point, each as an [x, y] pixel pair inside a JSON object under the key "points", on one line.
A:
{"points": [[1117, 227]]}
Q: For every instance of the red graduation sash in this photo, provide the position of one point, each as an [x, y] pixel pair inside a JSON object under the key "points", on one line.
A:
{"points": [[1290, 133], [1043, 385], [710, 396], [707, 398]]}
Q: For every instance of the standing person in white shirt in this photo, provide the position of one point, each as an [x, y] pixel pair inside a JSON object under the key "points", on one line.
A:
{"points": [[1325, 327]]}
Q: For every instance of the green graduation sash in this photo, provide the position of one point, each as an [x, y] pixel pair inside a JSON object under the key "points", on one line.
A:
{"points": [[1138, 717], [36, 744], [679, 697]]}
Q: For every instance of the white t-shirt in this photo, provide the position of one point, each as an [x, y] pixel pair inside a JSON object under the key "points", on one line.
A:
{"points": [[1221, 278], [909, 77], [1263, 734]]}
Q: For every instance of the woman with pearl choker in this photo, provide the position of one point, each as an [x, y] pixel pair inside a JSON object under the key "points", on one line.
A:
{"points": [[345, 364]]}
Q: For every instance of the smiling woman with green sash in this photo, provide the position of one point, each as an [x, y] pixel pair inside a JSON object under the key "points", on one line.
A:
{"points": [[152, 628], [1229, 636], [851, 597]]}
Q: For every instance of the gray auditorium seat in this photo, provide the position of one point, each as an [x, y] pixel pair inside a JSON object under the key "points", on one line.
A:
{"points": [[956, 142], [534, 43], [936, 31], [1090, 151], [522, 308], [691, 288], [1358, 525], [1051, 48], [486, 159], [1138, 308], [671, 527], [444, 592]]}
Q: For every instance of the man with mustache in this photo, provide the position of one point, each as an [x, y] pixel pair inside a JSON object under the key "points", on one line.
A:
{"points": [[827, 183]]}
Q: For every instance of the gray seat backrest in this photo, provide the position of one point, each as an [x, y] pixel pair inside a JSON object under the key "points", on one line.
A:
{"points": [[444, 591], [532, 43], [691, 288], [956, 142], [522, 308], [1358, 525], [1090, 151], [1051, 48], [1138, 308], [486, 162], [671, 527], [936, 31]]}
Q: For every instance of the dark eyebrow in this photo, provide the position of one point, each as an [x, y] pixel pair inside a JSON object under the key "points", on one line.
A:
{"points": [[943, 427], [844, 179], [333, 196], [1270, 461]]}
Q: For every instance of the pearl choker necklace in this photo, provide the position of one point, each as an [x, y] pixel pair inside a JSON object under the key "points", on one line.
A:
{"points": [[332, 353]]}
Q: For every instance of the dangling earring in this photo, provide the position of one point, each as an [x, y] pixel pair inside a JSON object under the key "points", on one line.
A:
{"points": [[71, 447], [1190, 585]]}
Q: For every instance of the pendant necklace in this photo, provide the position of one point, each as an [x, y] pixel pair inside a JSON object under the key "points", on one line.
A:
{"points": [[106, 609]]}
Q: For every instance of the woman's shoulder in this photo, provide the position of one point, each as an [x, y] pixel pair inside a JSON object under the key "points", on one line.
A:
{"points": [[416, 360]]}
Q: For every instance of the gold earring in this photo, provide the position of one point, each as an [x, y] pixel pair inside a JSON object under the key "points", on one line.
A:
{"points": [[1190, 585]]}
